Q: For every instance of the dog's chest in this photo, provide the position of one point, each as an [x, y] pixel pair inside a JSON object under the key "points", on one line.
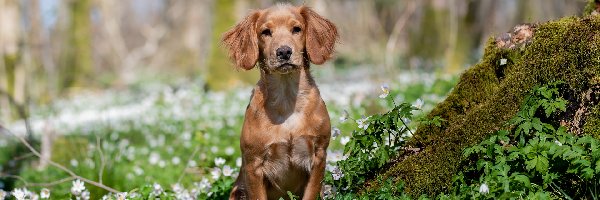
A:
{"points": [[292, 124], [288, 163]]}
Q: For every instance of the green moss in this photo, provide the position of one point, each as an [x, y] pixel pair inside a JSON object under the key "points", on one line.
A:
{"points": [[488, 94], [589, 7], [592, 122]]}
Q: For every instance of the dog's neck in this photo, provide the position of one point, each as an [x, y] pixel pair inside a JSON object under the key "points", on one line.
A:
{"points": [[285, 94]]}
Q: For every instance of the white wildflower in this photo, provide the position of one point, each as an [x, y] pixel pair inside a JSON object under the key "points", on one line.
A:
{"points": [[77, 188], [483, 189], [219, 161], [138, 170], [344, 140], [162, 164], [154, 158], [337, 173], [214, 149], [557, 142], [335, 132], [34, 196], [156, 190], [74, 163], [3, 194], [122, 196], [503, 61], [192, 163], [344, 116], [20, 194], [362, 123], [176, 160], [85, 195], [385, 91], [215, 173], [177, 188], [134, 195], [229, 151], [419, 104], [227, 170], [45, 193], [204, 185], [328, 192]]}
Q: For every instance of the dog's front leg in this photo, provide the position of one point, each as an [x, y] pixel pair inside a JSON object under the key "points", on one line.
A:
{"points": [[313, 188], [255, 180]]}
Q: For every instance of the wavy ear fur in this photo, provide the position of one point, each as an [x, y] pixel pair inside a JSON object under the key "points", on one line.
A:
{"points": [[242, 42], [321, 36]]}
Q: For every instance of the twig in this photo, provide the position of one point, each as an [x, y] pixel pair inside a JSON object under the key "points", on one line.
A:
{"points": [[188, 160], [21, 157], [50, 184], [28, 184], [21, 112], [15, 177], [407, 128], [73, 175], [102, 161], [394, 36]]}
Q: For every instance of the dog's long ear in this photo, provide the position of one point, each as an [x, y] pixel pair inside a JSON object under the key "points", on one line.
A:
{"points": [[321, 36], [242, 42]]}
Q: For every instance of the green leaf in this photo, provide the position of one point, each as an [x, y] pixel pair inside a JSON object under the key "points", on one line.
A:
{"points": [[523, 179], [582, 163], [526, 126], [530, 164], [542, 164], [588, 173]]}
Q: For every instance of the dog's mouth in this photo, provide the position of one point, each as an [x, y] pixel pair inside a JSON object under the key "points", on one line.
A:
{"points": [[286, 68]]}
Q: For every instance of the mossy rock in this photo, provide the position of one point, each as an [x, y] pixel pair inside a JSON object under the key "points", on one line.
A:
{"points": [[491, 92]]}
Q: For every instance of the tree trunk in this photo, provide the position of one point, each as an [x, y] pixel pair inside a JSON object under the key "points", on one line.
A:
{"points": [[9, 54], [76, 58], [221, 73]]}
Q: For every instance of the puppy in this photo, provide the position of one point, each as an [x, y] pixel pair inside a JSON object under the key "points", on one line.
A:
{"points": [[286, 129]]}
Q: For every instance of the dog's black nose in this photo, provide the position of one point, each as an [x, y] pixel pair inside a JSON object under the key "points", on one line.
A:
{"points": [[284, 52]]}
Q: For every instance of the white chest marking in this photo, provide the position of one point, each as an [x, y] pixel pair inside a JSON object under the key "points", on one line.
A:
{"points": [[293, 122]]}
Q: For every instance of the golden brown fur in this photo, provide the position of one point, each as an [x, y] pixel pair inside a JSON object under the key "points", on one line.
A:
{"points": [[286, 129]]}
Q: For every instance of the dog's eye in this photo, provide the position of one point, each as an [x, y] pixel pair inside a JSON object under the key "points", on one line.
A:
{"points": [[296, 29], [266, 32]]}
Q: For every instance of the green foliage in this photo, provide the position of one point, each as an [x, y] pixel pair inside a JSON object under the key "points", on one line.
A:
{"points": [[533, 159], [389, 190], [489, 94], [378, 138]]}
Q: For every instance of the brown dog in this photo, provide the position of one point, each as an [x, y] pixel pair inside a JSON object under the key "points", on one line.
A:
{"points": [[286, 129]]}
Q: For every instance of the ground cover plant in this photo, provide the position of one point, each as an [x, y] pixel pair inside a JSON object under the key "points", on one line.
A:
{"points": [[523, 123], [156, 147]]}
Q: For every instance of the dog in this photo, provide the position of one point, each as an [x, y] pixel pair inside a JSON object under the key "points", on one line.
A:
{"points": [[286, 129]]}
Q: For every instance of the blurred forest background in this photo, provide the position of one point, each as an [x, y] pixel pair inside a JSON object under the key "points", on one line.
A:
{"points": [[54, 48]]}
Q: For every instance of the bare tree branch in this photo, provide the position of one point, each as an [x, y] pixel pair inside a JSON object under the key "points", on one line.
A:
{"points": [[29, 184], [20, 111], [188, 160], [102, 161], [63, 168], [390, 47]]}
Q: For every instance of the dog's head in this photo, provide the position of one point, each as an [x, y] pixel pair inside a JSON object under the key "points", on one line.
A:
{"points": [[281, 37]]}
